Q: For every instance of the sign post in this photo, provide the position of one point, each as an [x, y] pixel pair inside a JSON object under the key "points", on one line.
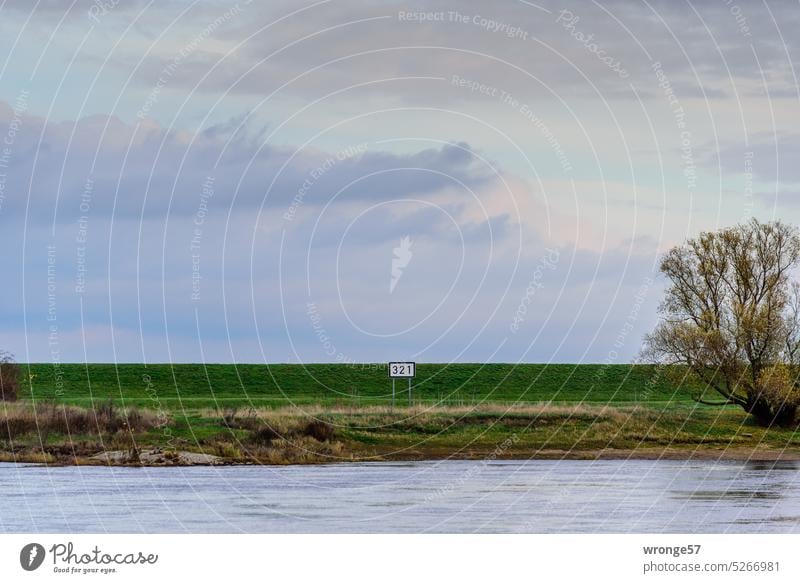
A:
{"points": [[402, 370]]}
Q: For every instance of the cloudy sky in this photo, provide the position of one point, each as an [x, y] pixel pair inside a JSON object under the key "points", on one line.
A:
{"points": [[294, 181]]}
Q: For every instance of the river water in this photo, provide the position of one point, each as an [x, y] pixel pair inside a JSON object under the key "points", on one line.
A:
{"points": [[436, 496]]}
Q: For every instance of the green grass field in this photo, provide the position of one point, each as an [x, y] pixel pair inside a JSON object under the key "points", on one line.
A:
{"points": [[192, 386]]}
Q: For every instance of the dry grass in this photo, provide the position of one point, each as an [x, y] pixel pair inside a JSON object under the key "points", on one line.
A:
{"points": [[274, 436], [325, 434], [241, 418], [320, 434], [27, 457], [303, 434], [265, 426], [299, 451], [266, 433], [19, 419]]}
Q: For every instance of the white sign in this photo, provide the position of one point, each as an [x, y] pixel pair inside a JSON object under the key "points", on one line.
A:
{"points": [[402, 370]]}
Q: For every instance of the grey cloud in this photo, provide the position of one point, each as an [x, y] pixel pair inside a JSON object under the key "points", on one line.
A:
{"points": [[703, 37], [711, 43], [150, 171]]}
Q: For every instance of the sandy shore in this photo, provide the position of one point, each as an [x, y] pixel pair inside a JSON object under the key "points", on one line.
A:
{"points": [[157, 458]]}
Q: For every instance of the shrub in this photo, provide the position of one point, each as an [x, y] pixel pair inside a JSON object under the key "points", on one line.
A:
{"points": [[229, 417], [232, 420], [13, 426], [264, 435], [779, 394], [10, 374], [107, 418], [319, 430]]}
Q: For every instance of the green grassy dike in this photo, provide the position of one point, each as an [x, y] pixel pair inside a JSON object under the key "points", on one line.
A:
{"points": [[183, 414]]}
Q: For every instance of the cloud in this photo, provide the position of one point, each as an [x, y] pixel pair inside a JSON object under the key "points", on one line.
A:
{"points": [[145, 170], [314, 49], [123, 236]]}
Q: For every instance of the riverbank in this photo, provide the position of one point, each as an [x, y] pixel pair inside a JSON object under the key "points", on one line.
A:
{"points": [[61, 434]]}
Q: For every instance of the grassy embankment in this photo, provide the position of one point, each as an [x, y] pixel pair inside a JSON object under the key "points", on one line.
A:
{"points": [[289, 413]]}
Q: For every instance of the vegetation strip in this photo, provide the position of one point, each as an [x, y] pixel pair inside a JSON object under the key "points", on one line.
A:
{"points": [[278, 414]]}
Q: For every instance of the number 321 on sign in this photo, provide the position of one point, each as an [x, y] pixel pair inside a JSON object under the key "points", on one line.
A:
{"points": [[402, 370]]}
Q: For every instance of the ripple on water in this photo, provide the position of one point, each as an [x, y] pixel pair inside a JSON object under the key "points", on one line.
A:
{"points": [[441, 496]]}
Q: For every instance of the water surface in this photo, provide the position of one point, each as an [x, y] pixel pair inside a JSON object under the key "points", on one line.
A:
{"points": [[436, 496]]}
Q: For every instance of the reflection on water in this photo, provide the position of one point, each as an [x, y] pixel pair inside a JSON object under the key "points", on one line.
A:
{"points": [[445, 496]]}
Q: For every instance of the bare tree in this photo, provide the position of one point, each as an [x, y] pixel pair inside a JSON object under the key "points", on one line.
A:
{"points": [[10, 375], [731, 316]]}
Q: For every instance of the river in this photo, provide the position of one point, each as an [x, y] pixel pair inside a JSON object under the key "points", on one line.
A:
{"points": [[435, 496]]}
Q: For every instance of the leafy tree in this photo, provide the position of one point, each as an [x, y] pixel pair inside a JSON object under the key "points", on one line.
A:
{"points": [[731, 316]]}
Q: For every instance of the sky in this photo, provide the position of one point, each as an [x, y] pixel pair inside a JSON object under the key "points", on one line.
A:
{"points": [[348, 181]]}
